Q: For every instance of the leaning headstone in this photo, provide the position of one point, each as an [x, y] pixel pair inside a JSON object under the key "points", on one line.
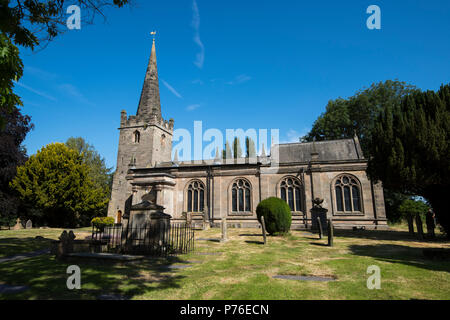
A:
{"points": [[419, 226], [224, 230], [330, 233], [319, 224], [18, 225], [263, 227], [29, 225]]}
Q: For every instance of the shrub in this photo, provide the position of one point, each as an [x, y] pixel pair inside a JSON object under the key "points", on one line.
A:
{"points": [[277, 215], [102, 222]]}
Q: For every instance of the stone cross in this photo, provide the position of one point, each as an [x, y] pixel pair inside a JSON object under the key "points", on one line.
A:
{"points": [[18, 225], [263, 227], [224, 230]]}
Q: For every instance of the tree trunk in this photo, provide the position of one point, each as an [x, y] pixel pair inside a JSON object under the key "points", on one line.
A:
{"points": [[409, 218], [437, 196], [419, 224]]}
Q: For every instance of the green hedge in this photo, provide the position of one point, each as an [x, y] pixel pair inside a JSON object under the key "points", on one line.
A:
{"points": [[102, 222], [277, 215]]}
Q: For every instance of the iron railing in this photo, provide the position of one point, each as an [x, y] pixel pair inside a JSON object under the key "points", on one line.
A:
{"points": [[156, 240]]}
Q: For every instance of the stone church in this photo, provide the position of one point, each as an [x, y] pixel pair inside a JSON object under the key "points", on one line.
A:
{"points": [[212, 189]]}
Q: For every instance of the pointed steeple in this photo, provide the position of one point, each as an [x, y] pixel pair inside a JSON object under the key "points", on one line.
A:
{"points": [[150, 103]]}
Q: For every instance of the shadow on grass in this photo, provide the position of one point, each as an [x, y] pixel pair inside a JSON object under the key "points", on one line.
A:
{"points": [[254, 242], [392, 235], [319, 244], [410, 256], [46, 277], [14, 246]]}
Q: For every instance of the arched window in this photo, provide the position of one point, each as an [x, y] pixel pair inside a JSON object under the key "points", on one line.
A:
{"points": [[195, 196], [348, 194], [290, 191], [241, 196], [136, 137]]}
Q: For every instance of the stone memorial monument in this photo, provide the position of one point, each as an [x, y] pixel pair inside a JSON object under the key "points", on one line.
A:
{"points": [[318, 212]]}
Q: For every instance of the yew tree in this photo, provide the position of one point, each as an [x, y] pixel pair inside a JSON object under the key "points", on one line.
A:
{"points": [[56, 182], [410, 149]]}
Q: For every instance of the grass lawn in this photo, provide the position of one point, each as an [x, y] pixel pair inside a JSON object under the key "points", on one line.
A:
{"points": [[14, 242], [243, 269]]}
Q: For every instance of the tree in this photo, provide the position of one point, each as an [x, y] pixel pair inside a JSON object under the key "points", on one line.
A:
{"points": [[11, 69], [357, 114], [28, 24], [237, 150], [344, 118], [227, 152], [56, 182], [250, 147], [410, 149], [12, 154], [409, 208], [98, 172]]}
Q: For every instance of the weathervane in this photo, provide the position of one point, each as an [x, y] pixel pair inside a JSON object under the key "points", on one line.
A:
{"points": [[153, 33]]}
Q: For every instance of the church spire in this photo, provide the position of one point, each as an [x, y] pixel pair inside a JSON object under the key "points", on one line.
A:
{"points": [[150, 104]]}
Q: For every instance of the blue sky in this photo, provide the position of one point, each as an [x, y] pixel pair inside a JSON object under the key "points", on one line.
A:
{"points": [[231, 64]]}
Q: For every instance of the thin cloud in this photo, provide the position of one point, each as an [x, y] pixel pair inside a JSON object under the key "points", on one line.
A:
{"points": [[39, 93], [171, 89], [294, 136], [200, 57], [240, 79], [74, 92], [197, 81], [41, 74], [192, 107]]}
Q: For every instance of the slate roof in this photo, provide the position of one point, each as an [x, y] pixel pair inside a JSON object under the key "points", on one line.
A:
{"points": [[333, 150]]}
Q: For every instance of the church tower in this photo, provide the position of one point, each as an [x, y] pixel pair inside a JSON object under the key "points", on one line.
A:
{"points": [[144, 141]]}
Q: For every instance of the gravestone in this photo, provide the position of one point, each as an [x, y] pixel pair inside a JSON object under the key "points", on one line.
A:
{"points": [[263, 227], [18, 225], [224, 230], [319, 224], [29, 225], [330, 233], [419, 226], [205, 219], [65, 245]]}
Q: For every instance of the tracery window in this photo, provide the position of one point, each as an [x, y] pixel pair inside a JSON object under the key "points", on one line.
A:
{"points": [[241, 195], [291, 192], [195, 196], [348, 194]]}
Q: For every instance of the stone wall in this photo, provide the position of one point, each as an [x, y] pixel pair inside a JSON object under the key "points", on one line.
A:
{"points": [[265, 182]]}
